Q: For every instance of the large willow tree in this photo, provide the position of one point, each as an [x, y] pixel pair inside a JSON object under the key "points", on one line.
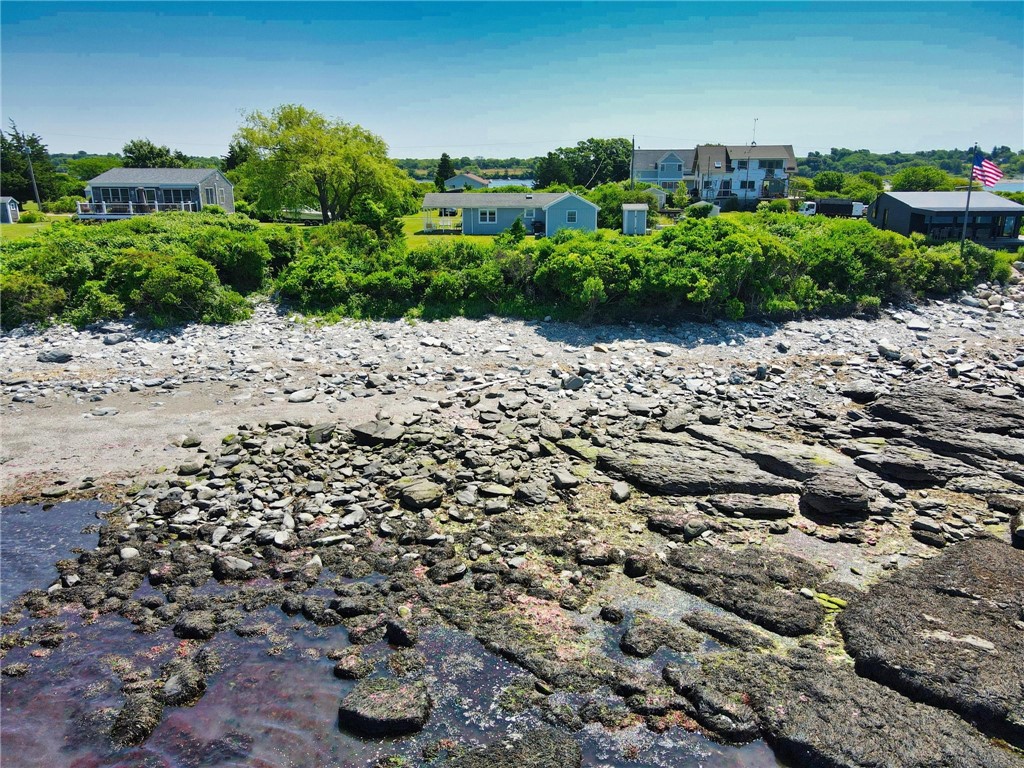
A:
{"points": [[299, 158]]}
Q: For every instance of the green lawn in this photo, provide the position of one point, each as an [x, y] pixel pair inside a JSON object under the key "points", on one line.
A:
{"points": [[414, 235], [19, 230]]}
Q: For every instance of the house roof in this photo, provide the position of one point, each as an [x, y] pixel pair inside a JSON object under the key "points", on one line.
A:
{"points": [[762, 152], [6, 199], [634, 206], [153, 176], [497, 199], [707, 155], [650, 158], [472, 176], [955, 201]]}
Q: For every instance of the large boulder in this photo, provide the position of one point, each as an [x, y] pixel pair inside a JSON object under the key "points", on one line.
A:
{"points": [[949, 632], [837, 491], [385, 707], [755, 584], [816, 712], [689, 468]]}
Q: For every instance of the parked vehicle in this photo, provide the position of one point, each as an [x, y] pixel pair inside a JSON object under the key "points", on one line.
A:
{"points": [[835, 207]]}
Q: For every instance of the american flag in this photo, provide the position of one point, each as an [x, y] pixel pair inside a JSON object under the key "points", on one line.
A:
{"points": [[986, 171]]}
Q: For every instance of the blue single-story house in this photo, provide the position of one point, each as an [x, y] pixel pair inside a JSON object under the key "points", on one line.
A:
{"points": [[493, 213], [9, 212], [123, 192], [466, 181]]}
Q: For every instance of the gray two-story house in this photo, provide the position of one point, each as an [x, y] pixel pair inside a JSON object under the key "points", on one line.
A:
{"points": [[494, 213], [124, 192]]}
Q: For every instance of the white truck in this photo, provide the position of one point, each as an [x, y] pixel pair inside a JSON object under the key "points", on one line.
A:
{"points": [[835, 207]]}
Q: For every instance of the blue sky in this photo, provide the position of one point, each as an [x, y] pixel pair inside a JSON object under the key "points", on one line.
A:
{"points": [[523, 78]]}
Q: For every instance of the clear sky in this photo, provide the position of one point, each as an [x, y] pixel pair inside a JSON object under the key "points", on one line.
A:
{"points": [[520, 79]]}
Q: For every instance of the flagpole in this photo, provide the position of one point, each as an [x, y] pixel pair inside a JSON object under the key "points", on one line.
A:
{"points": [[970, 183]]}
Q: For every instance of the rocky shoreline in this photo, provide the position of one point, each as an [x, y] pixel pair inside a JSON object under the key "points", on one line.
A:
{"points": [[841, 499]]}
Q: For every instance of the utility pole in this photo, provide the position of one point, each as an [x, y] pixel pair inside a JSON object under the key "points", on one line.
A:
{"points": [[32, 175], [632, 159]]}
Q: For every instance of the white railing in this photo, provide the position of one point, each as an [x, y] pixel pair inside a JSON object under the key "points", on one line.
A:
{"points": [[130, 209]]}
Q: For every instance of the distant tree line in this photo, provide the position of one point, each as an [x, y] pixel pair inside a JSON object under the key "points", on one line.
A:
{"points": [[953, 161]]}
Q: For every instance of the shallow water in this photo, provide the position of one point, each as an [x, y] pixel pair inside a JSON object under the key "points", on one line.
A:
{"points": [[274, 703], [34, 537]]}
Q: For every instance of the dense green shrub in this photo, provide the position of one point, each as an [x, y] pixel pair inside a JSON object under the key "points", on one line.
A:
{"points": [[26, 298], [167, 289], [241, 259], [92, 304], [30, 217], [66, 204], [698, 210]]}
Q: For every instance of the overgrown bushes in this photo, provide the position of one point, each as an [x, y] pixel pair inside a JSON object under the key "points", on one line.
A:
{"points": [[165, 268], [178, 267]]}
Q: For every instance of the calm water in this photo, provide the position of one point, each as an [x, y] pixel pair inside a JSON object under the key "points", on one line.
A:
{"points": [[495, 183], [1016, 185], [274, 703], [33, 538]]}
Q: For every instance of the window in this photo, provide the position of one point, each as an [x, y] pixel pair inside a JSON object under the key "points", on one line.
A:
{"points": [[718, 163], [709, 184], [885, 217], [741, 165], [220, 195], [488, 215], [726, 185], [774, 165], [529, 213], [210, 193], [663, 166], [114, 194], [679, 167], [570, 217], [177, 196], [746, 185]]}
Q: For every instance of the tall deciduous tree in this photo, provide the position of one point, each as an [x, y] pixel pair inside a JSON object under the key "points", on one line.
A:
{"points": [[921, 178], [598, 161], [143, 153], [301, 158], [445, 170], [829, 181]]}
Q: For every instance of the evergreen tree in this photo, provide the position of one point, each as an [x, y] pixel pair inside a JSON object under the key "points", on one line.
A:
{"points": [[445, 170], [15, 180]]}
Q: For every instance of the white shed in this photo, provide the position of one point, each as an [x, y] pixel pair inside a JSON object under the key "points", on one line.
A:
{"points": [[634, 218]]}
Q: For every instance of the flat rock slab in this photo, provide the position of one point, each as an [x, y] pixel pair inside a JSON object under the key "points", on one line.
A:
{"points": [[385, 707], [951, 409], [914, 467], [753, 583], [786, 459], [378, 433], [688, 468], [819, 712], [949, 632], [539, 748], [755, 507]]}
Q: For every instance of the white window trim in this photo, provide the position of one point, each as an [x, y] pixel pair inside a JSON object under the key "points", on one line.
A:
{"points": [[209, 196], [574, 215], [529, 213], [221, 196], [488, 215]]}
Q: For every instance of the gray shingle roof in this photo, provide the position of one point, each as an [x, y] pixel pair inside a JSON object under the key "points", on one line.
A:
{"points": [[493, 199], [762, 152], [956, 201], [648, 159], [153, 176], [5, 199]]}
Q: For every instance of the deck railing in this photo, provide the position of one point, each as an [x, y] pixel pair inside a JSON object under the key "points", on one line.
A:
{"points": [[130, 209]]}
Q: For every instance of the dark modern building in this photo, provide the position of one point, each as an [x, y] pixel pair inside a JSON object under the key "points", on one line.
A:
{"points": [[991, 220]]}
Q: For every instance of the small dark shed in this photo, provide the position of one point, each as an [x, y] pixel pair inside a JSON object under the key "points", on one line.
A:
{"points": [[9, 212], [991, 220]]}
